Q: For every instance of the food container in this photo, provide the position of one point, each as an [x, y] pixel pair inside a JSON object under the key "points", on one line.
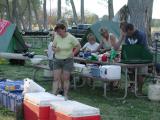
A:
{"points": [[111, 72], [72, 110], [37, 105]]}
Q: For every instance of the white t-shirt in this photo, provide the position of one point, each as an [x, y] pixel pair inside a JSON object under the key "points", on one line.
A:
{"points": [[50, 51], [91, 47]]}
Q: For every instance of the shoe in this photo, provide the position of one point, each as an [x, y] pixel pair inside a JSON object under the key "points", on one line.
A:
{"points": [[61, 92]]}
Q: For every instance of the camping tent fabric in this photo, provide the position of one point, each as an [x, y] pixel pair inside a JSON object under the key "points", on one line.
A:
{"points": [[11, 40], [3, 25], [112, 27], [6, 37]]}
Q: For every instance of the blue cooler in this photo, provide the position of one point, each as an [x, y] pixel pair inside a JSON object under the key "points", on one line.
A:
{"points": [[95, 71]]}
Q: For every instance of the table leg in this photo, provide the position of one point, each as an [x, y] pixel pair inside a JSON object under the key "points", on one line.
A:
{"points": [[34, 74], [125, 89], [83, 83], [135, 87], [105, 90], [126, 83], [74, 81]]}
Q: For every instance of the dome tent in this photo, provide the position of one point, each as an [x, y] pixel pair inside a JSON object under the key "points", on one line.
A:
{"points": [[112, 27], [11, 39]]}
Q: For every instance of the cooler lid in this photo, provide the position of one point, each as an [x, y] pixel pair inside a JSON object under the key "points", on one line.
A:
{"points": [[42, 98], [111, 66], [74, 109]]}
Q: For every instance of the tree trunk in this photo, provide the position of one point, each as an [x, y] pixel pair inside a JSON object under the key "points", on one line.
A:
{"points": [[23, 23], [15, 16], [29, 15], [14, 5], [8, 9], [45, 22], [59, 10], [21, 18], [141, 14], [110, 9], [74, 12], [82, 11], [36, 14]]}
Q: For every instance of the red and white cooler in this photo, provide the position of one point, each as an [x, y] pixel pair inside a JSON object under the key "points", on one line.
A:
{"points": [[37, 105], [72, 110]]}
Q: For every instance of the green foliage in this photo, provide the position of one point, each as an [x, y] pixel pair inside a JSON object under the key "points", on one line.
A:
{"points": [[111, 109], [92, 18], [155, 23]]}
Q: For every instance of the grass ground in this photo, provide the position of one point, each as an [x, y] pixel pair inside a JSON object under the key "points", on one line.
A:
{"points": [[131, 108]]}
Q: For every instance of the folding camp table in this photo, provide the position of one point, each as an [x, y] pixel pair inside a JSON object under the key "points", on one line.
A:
{"points": [[125, 66]]}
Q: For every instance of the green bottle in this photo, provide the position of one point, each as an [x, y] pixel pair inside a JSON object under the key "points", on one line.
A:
{"points": [[113, 54]]}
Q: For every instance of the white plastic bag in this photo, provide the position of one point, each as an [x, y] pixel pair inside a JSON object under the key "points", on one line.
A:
{"points": [[30, 86]]}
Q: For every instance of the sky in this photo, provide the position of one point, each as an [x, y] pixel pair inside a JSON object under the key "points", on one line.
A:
{"points": [[100, 8]]}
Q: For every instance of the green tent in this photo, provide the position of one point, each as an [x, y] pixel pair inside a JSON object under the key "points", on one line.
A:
{"points": [[11, 40], [112, 27]]}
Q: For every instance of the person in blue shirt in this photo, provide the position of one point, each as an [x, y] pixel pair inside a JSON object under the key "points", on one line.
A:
{"points": [[132, 36]]}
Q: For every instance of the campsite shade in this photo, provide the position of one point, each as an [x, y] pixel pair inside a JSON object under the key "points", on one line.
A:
{"points": [[11, 40], [113, 27]]}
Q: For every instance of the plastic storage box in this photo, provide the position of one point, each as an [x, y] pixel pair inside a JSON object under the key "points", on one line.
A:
{"points": [[95, 71], [110, 72], [4, 98], [14, 98], [72, 110], [37, 105], [9, 85], [11, 99]]}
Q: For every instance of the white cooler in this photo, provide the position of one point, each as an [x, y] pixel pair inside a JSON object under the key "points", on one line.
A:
{"points": [[111, 72], [37, 105], [72, 110], [79, 67]]}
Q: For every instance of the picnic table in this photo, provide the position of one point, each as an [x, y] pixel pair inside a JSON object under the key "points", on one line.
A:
{"points": [[123, 65]]}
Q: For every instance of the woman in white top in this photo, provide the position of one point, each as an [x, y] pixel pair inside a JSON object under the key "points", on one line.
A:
{"points": [[109, 41], [91, 45]]}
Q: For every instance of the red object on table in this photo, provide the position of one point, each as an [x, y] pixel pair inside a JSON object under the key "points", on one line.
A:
{"points": [[104, 58], [35, 112]]}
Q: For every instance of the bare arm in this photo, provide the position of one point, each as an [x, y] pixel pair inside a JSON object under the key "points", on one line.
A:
{"points": [[116, 45], [77, 48], [100, 46]]}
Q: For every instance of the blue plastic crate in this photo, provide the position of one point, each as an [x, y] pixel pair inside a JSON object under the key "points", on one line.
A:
{"points": [[11, 85], [13, 99], [4, 98], [95, 72], [0, 97]]}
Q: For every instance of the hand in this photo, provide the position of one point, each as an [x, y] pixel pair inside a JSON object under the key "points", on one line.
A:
{"points": [[123, 34], [72, 55], [57, 49]]}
